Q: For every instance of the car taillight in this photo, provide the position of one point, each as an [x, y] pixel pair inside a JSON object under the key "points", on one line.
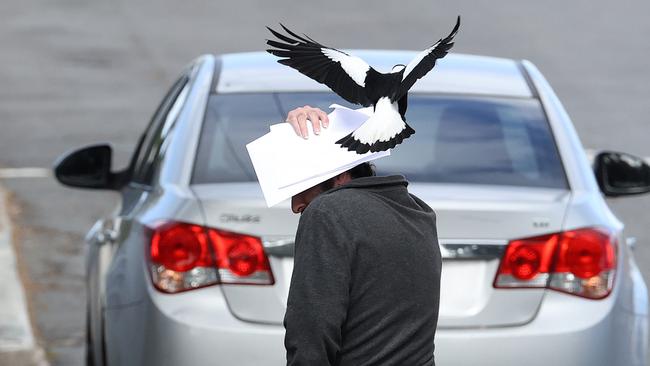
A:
{"points": [[580, 262], [186, 256]]}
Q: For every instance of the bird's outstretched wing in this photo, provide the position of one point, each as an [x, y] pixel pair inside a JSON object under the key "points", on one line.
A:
{"points": [[344, 74], [425, 61]]}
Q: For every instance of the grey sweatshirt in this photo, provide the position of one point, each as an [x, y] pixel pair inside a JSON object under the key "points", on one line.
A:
{"points": [[366, 279]]}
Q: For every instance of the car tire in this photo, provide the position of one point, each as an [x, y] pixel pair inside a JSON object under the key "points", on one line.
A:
{"points": [[90, 354]]}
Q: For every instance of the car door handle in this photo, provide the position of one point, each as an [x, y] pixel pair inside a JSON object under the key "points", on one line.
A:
{"points": [[106, 235]]}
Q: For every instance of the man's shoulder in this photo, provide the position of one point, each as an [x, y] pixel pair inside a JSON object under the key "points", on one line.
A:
{"points": [[338, 201]]}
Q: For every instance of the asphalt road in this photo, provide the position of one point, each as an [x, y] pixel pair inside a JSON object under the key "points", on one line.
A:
{"points": [[75, 72]]}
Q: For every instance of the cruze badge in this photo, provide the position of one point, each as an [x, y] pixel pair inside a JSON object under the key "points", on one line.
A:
{"points": [[236, 218]]}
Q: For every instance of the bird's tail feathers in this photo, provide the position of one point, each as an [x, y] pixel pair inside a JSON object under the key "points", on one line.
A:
{"points": [[371, 136]]}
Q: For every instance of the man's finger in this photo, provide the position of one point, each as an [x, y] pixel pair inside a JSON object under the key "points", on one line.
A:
{"points": [[302, 124], [291, 119], [323, 118], [315, 121]]}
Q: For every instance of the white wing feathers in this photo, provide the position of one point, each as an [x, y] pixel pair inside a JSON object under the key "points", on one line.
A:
{"points": [[344, 74], [411, 65], [425, 61], [354, 66]]}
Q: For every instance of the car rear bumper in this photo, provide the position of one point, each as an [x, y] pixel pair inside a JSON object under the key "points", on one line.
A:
{"points": [[567, 331]]}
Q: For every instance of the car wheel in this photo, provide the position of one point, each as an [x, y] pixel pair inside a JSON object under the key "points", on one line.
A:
{"points": [[90, 355]]}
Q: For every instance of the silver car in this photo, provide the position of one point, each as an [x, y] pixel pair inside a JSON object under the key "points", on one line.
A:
{"points": [[193, 268]]}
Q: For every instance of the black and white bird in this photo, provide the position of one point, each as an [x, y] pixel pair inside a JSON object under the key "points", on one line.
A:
{"points": [[357, 82]]}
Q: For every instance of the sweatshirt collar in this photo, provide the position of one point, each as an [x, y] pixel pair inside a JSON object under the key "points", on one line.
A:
{"points": [[373, 182]]}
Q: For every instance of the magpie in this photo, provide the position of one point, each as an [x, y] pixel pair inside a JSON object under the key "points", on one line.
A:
{"points": [[357, 82]]}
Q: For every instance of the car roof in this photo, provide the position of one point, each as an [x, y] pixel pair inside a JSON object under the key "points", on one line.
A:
{"points": [[455, 74]]}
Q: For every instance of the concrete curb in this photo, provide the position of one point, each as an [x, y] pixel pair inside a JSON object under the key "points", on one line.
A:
{"points": [[33, 357], [17, 345]]}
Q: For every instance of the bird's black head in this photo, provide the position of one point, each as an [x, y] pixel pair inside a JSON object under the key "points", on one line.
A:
{"points": [[398, 68]]}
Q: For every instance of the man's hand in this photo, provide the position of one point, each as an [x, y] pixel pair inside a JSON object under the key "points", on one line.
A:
{"points": [[298, 119]]}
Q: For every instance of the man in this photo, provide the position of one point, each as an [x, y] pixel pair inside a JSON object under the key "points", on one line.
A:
{"points": [[366, 279]]}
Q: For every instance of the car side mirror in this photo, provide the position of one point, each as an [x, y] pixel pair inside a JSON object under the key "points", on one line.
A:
{"points": [[621, 174], [88, 167]]}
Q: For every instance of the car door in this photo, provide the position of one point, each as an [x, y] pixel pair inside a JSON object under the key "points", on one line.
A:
{"points": [[105, 238]]}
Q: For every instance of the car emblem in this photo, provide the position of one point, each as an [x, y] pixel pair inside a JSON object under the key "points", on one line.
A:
{"points": [[237, 218], [541, 222]]}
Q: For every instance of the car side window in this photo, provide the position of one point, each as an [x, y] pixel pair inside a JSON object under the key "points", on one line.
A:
{"points": [[157, 130]]}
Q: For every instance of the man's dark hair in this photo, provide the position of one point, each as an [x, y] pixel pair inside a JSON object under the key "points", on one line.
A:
{"points": [[359, 171], [363, 170]]}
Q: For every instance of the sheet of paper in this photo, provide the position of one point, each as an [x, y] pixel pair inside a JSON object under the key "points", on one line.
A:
{"points": [[287, 164]]}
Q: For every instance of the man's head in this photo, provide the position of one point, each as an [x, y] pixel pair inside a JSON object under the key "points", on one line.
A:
{"points": [[300, 201]]}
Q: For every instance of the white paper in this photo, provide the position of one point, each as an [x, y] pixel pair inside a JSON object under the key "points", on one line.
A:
{"points": [[287, 164]]}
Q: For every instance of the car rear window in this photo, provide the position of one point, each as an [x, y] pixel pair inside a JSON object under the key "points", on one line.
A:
{"points": [[458, 139]]}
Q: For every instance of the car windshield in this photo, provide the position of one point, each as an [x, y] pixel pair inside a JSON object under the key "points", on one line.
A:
{"points": [[458, 139]]}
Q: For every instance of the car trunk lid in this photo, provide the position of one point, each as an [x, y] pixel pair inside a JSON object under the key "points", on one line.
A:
{"points": [[475, 223]]}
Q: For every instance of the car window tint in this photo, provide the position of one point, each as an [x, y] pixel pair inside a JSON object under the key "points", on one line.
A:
{"points": [[156, 131], [477, 140], [162, 140], [234, 120], [458, 139]]}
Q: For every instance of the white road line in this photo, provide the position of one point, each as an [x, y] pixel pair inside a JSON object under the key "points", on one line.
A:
{"points": [[10, 173], [15, 330]]}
